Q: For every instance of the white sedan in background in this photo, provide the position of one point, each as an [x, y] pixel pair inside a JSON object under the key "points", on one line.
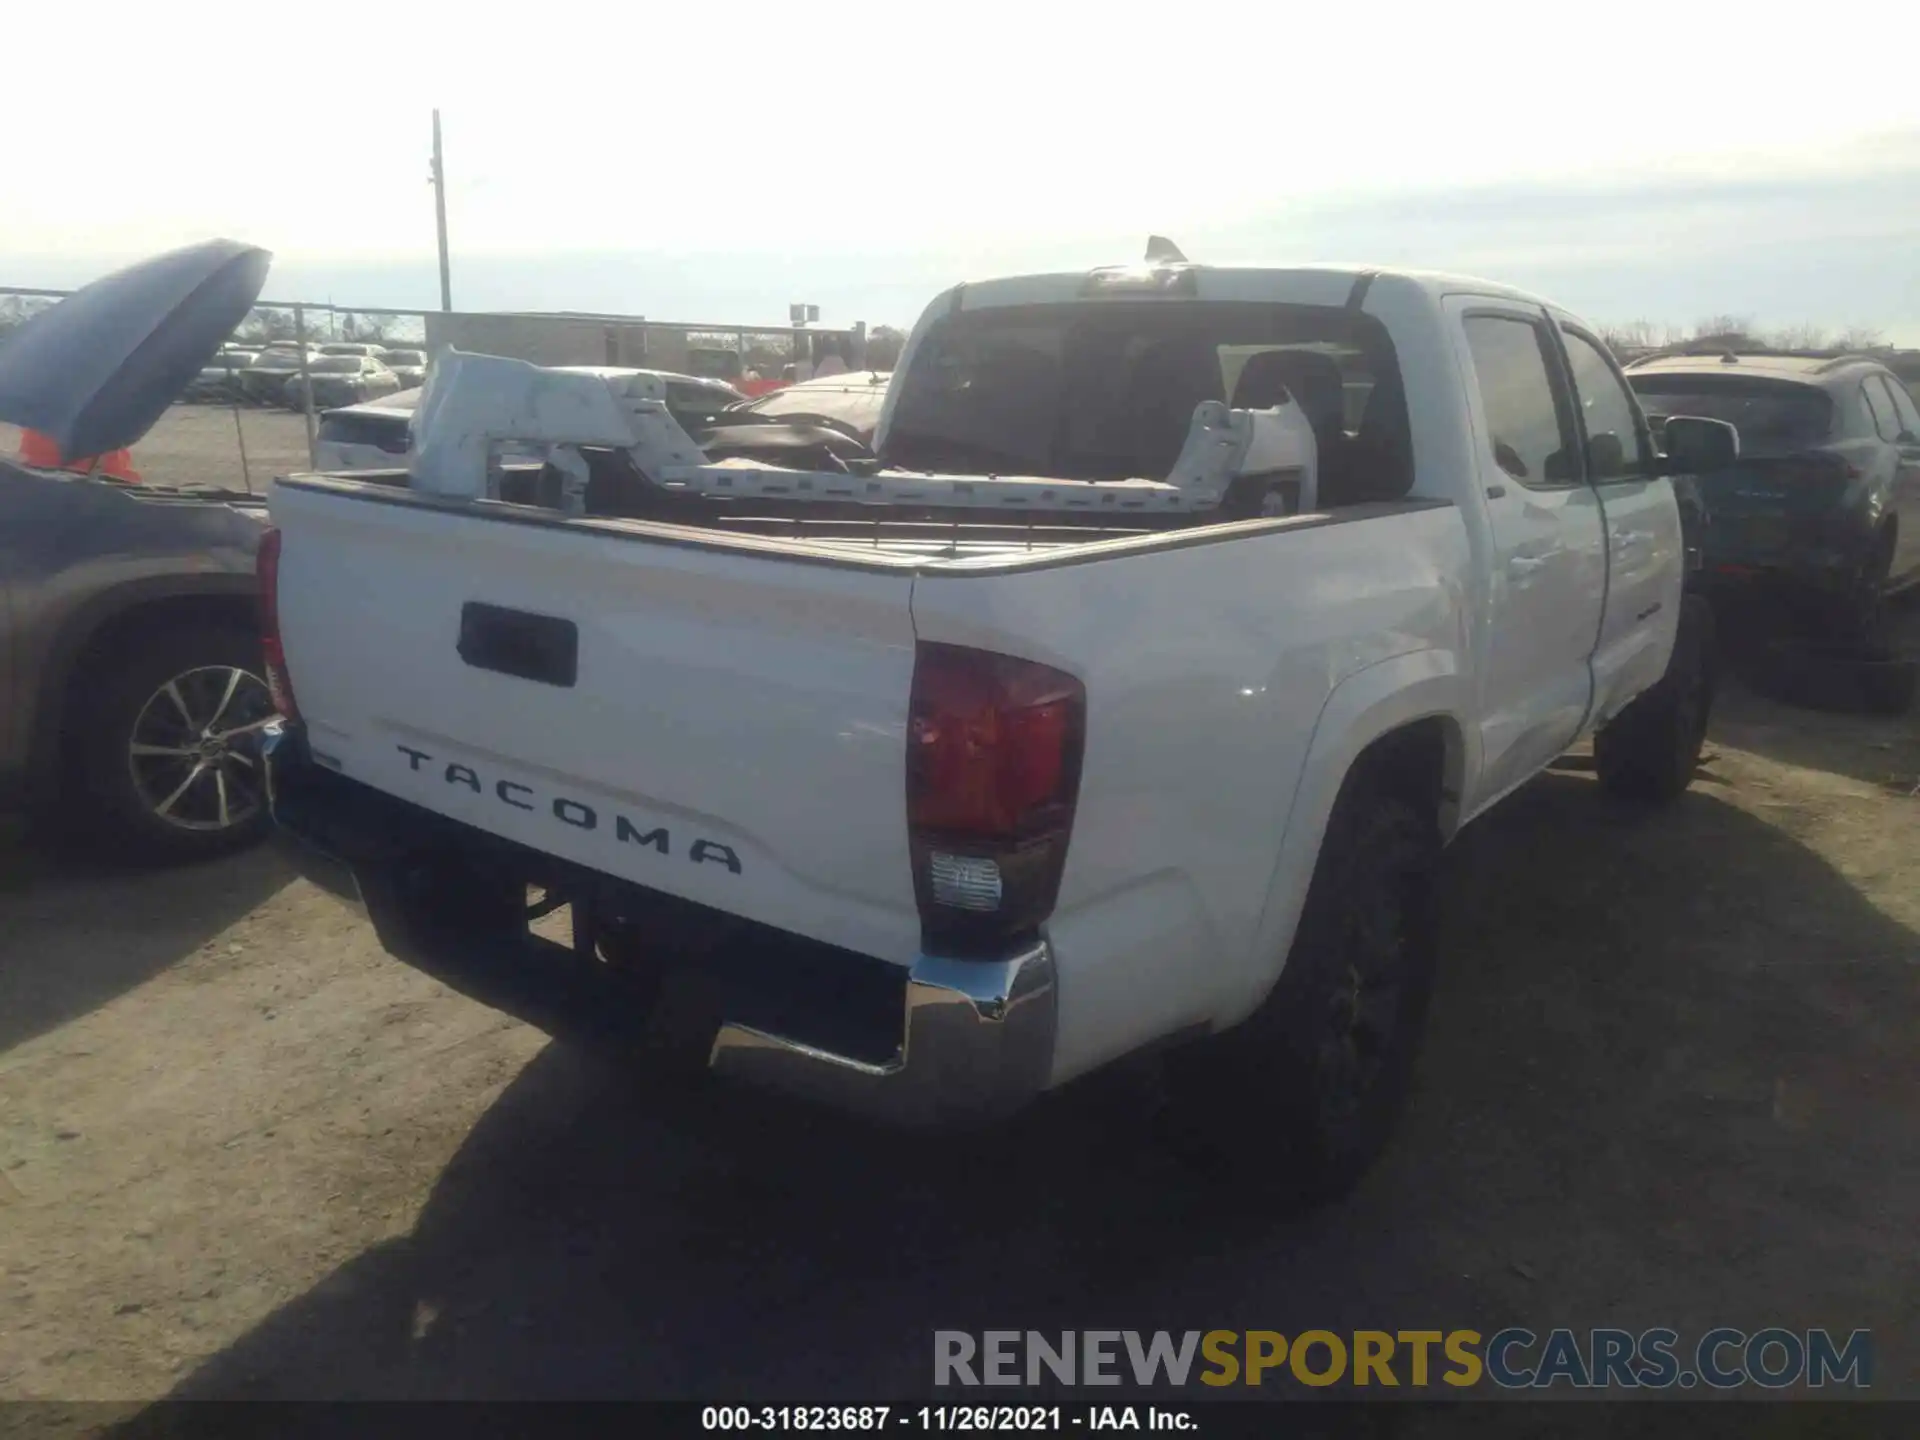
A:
{"points": [[375, 435]]}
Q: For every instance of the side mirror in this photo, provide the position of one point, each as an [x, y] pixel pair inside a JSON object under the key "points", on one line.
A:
{"points": [[1696, 446]]}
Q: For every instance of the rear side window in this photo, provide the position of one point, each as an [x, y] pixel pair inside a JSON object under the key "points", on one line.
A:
{"points": [[1516, 396], [1904, 408], [1774, 417], [1880, 407], [1885, 402], [1606, 409]]}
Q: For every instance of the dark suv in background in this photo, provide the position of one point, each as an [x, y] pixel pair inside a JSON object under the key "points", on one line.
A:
{"points": [[1823, 507]]}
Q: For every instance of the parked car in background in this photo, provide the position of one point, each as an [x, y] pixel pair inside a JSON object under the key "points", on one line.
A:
{"points": [[850, 403], [218, 382], [712, 363], [352, 347], [816, 424], [341, 380], [374, 436], [132, 693], [265, 381], [410, 366], [1823, 508]]}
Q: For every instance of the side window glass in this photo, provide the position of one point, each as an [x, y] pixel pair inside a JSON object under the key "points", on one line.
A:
{"points": [[1616, 446], [1904, 408], [1516, 396], [1880, 406]]}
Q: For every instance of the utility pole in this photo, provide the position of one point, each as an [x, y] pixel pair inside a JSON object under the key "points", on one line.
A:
{"points": [[439, 182]]}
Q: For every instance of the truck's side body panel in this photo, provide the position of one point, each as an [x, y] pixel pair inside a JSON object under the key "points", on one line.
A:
{"points": [[1200, 716], [1419, 687]]}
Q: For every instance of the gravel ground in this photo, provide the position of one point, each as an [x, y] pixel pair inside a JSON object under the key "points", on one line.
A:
{"points": [[200, 445], [1670, 1080]]}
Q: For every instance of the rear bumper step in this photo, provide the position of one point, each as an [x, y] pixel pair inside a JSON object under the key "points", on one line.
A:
{"points": [[940, 1040]]}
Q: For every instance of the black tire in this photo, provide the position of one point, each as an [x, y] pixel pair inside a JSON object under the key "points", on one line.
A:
{"points": [[167, 803], [1843, 677], [1650, 750], [1862, 617], [1292, 1106]]}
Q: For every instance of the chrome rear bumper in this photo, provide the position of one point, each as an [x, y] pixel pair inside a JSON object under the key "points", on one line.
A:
{"points": [[970, 1038], [976, 1038]]}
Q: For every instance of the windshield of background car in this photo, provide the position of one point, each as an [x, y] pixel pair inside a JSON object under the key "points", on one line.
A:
{"points": [[695, 406], [1107, 390], [405, 357], [857, 406], [336, 365], [1774, 417]]}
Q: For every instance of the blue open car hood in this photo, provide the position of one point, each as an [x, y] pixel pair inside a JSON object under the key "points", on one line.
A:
{"points": [[94, 372]]}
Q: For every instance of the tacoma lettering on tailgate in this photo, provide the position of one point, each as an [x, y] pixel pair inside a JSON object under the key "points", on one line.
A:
{"points": [[568, 811]]}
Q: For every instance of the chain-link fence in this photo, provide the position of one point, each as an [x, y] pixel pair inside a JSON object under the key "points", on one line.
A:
{"points": [[258, 410]]}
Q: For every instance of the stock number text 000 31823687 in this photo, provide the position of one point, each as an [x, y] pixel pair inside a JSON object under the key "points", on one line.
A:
{"points": [[880, 1417]]}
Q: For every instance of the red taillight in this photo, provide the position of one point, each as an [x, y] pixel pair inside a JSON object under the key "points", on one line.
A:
{"points": [[267, 567], [993, 772]]}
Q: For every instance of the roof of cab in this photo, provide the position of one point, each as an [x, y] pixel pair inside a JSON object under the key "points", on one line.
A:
{"points": [[1322, 283]]}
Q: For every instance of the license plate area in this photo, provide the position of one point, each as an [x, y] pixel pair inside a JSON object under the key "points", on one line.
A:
{"points": [[541, 648]]}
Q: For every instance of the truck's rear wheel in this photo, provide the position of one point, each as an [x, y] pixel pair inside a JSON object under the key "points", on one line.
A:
{"points": [[1298, 1100], [1650, 750]]}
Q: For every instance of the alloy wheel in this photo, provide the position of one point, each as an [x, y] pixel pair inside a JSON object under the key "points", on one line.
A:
{"points": [[194, 752]]}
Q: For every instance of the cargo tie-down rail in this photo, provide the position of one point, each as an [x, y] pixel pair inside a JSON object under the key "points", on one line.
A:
{"points": [[475, 403]]}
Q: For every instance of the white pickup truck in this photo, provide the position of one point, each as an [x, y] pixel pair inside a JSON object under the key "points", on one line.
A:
{"points": [[1127, 698]]}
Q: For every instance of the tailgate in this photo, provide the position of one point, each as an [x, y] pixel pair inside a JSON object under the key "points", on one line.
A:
{"points": [[728, 727]]}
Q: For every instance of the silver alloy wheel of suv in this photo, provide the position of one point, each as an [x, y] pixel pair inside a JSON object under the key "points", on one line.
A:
{"points": [[194, 750]]}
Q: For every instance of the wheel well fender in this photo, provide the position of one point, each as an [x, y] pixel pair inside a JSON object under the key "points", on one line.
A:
{"points": [[1398, 722], [113, 618]]}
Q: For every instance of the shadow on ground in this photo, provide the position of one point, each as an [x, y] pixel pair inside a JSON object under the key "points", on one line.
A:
{"points": [[1669, 1082], [1880, 750], [75, 932]]}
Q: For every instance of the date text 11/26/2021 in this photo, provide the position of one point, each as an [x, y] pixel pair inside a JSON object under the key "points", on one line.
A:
{"points": [[938, 1418]]}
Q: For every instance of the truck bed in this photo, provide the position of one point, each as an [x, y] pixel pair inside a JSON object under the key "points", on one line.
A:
{"points": [[875, 534]]}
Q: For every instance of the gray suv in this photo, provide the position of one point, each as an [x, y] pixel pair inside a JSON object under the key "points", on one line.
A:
{"points": [[131, 694], [1822, 506]]}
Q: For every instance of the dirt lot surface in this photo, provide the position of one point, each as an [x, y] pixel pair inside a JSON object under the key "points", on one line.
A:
{"points": [[199, 445], [1670, 1081]]}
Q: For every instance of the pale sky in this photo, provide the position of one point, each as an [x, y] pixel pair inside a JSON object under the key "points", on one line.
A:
{"points": [[1664, 161]]}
